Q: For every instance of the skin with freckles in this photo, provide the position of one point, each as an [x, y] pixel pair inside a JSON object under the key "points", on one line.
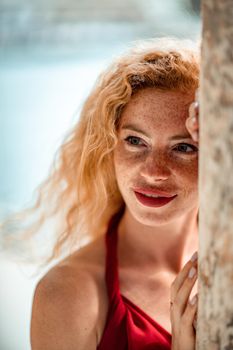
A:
{"points": [[147, 156], [156, 151]]}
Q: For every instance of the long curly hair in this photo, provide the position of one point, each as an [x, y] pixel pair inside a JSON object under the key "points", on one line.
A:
{"points": [[81, 194]]}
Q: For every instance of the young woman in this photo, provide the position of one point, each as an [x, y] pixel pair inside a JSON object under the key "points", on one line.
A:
{"points": [[127, 176]]}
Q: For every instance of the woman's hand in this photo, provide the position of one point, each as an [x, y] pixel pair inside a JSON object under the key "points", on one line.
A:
{"points": [[192, 122], [182, 312]]}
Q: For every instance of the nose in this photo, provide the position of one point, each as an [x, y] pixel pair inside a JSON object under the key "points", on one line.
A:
{"points": [[155, 168]]}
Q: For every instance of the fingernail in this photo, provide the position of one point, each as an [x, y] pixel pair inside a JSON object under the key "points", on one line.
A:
{"points": [[192, 272], [196, 104], [193, 300], [194, 257]]}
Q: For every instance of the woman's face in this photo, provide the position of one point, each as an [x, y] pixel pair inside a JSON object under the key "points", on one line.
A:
{"points": [[156, 152]]}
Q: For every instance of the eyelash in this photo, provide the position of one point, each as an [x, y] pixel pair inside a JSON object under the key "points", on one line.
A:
{"points": [[127, 139]]}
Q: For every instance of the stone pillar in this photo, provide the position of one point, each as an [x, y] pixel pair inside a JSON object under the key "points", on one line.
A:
{"points": [[215, 282]]}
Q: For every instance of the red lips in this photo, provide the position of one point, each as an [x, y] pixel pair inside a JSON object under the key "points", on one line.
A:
{"points": [[164, 196], [154, 191], [151, 201]]}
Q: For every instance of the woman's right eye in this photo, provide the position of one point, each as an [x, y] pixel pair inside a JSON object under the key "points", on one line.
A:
{"points": [[134, 141]]}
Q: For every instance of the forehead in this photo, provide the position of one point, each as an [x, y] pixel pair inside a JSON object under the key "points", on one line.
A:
{"points": [[154, 106]]}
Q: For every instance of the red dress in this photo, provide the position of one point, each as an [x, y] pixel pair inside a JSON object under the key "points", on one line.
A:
{"points": [[127, 326]]}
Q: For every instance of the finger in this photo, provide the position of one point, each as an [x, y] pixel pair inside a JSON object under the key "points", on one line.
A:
{"points": [[193, 130], [188, 316], [180, 278], [194, 109], [193, 121], [192, 125], [195, 136], [184, 292], [195, 321]]}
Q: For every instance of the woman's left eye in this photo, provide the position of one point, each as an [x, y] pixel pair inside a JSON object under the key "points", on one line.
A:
{"points": [[183, 148]]}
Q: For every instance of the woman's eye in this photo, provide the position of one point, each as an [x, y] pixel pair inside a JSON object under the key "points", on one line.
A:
{"points": [[134, 141], [182, 147]]}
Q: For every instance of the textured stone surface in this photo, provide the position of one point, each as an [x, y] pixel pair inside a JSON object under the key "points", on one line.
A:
{"points": [[215, 309]]}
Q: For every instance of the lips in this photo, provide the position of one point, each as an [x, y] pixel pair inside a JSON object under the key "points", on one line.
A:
{"points": [[146, 197], [155, 192]]}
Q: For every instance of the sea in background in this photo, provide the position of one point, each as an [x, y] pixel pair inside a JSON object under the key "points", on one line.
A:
{"points": [[49, 60]]}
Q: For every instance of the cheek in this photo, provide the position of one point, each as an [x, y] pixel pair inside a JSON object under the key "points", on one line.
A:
{"points": [[125, 166], [120, 163], [189, 176], [122, 158]]}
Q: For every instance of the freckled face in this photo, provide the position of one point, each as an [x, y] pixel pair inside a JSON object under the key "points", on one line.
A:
{"points": [[148, 156]]}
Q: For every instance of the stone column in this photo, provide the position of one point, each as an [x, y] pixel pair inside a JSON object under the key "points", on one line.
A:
{"points": [[215, 308]]}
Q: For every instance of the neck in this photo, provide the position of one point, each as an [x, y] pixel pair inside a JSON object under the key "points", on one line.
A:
{"points": [[165, 247]]}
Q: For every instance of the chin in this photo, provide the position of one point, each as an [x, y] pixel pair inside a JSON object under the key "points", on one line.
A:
{"points": [[158, 217], [154, 219]]}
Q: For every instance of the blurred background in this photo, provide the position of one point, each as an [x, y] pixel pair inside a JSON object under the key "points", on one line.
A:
{"points": [[50, 55]]}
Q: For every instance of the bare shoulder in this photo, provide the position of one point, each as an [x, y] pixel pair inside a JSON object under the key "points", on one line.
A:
{"points": [[66, 311]]}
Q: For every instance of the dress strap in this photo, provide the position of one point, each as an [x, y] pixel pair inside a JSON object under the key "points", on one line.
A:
{"points": [[111, 264]]}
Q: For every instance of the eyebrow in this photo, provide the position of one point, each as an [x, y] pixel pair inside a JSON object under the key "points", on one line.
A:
{"points": [[135, 128]]}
